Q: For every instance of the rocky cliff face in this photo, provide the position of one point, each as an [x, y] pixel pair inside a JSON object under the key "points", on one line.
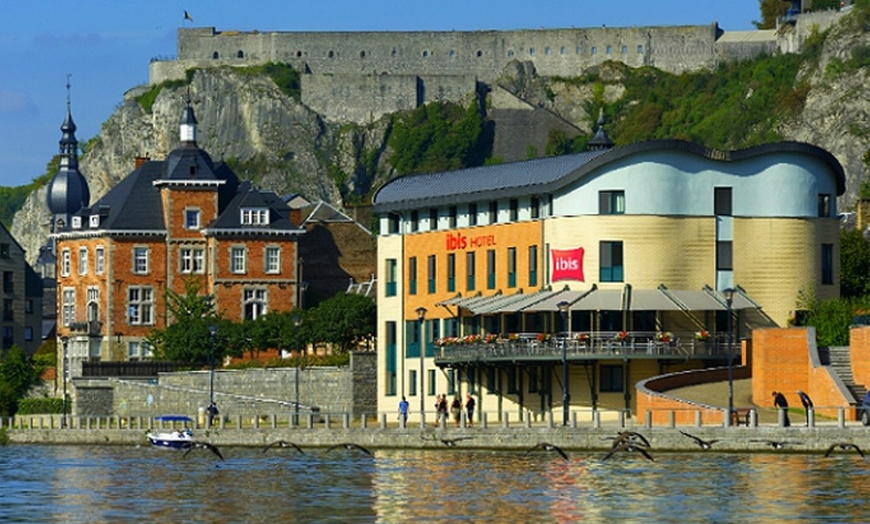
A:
{"points": [[284, 146]]}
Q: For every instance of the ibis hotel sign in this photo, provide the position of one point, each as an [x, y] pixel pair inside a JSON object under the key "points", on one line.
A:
{"points": [[458, 241], [567, 264]]}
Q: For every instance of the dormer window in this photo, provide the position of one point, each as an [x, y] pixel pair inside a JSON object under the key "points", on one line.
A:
{"points": [[77, 222], [95, 220], [255, 216]]}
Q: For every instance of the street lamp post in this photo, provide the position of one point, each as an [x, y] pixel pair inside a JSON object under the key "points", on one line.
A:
{"points": [[297, 321], [729, 297], [212, 330], [421, 316], [65, 341], [563, 309]]}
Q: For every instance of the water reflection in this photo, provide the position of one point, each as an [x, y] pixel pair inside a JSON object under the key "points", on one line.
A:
{"points": [[116, 484]]}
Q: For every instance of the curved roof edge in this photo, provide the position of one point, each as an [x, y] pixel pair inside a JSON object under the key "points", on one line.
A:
{"points": [[606, 157]]}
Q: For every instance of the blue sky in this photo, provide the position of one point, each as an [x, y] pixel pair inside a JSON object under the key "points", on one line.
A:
{"points": [[106, 46]]}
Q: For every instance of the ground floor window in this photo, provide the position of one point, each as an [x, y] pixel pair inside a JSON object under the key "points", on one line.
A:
{"points": [[611, 378]]}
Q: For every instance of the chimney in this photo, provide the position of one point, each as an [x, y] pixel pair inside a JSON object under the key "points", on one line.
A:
{"points": [[139, 161]]}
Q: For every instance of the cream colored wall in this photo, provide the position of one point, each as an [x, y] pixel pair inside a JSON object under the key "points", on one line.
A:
{"points": [[390, 309]]}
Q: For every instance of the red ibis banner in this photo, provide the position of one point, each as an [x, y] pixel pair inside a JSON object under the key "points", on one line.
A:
{"points": [[567, 264]]}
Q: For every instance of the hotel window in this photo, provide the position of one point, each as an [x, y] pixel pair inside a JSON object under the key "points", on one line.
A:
{"points": [[430, 273], [469, 265], [433, 219], [472, 214], [493, 212], [93, 305], [451, 217], [68, 307], [451, 272], [512, 266], [415, 221], [724, 256], [65, 262], [722, 201], [140, 305], [611, 379], [392, 358], [611, 261], [100, 260], [412, 276], [255, 216], [83, 261], [391, 277], [393, 221], [141, 264], [827, 264], [533, 266], [273, 260], [490, 269], [238, 260], [515, 209], [254, 302], [412, 383], [535, 208], [611, 202], [191, 260], [824, 205], [430, 382], [191, 218]]}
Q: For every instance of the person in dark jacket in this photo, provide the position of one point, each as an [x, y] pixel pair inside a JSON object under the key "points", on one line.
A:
{"points": [[780, 402]]}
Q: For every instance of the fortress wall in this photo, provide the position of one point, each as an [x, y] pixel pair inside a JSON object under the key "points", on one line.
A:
{"points": [[562, 52]]}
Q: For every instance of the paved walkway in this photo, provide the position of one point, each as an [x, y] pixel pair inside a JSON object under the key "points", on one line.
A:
{"points": [[716, 394]]}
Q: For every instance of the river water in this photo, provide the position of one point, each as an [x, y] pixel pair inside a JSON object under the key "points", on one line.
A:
{"points": [[143, 484]]}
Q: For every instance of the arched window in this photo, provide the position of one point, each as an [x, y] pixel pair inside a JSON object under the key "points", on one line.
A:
{"points": [[215, 55], [298, 54], [362, 54], [255, 302], [240, 54], [425, 53], [479, 53], [331, 54]]}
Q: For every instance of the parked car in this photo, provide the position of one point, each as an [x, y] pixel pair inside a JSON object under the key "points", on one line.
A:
{"points": [[864, 410]]}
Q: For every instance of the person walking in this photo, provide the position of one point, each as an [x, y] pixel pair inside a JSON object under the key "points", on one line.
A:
{"points": [[212, 413], [780, 402], [403, 411], [469, 408], [456, 410]]}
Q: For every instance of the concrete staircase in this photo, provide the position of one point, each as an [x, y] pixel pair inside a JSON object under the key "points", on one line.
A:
{"points": [[840, 360]]}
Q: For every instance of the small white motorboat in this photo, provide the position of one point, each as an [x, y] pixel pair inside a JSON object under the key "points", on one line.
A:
{"points": [[176, 438]]}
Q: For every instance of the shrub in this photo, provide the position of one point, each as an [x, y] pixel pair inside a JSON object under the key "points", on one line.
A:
{"points": [[33, 406]]}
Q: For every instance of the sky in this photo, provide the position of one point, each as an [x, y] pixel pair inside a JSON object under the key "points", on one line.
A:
{"points": [[105, 46]]}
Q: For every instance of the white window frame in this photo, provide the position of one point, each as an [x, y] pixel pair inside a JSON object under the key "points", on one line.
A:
{"points": [[141, 260], [83, 261], [196, 214], [139, 350], [272, 259], [255, 216], [93, 304], [252, 296], [68, 306], [238, 259], [100, 260], [65, 262], [140, 305]]}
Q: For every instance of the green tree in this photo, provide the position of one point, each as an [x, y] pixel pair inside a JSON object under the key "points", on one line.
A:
{"points": [[854, 265], [343, 320], [832, 319], [17, 375], [770, 11], [188, 338]]}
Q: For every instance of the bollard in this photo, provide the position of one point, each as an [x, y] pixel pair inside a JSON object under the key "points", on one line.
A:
{"points": [[273, 420], [841, 418], [364, 420], [726, 418], [753, 418], [256, 420], [647, 419], [483, 419], [596, 419], [550, 420], [384, 421], [698, 418], [310, 422], [422, 420], [574, 420], [463, 420], [327, 422], [672, 419], [621, 419], [345, 421], [811, 418], [780, 415], [528, 419]]}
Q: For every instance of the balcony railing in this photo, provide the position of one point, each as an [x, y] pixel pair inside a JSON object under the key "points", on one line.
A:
{"points": [[597, 345]]}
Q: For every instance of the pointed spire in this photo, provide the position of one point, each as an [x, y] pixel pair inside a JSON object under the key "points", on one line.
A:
{"points": [[188, 123], [68, 191], [600, 140]]}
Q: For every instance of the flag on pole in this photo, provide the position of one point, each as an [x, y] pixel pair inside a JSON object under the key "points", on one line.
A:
{"points": [[187, 16]]}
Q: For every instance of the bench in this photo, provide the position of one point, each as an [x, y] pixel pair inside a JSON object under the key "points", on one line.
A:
{"points": [[741, 416]]}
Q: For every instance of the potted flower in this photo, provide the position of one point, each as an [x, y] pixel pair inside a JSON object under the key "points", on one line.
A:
{"points": [[702, 335], [581, 337], [491, 338], [664, 336], [621, 336], [513, 337], [543, 337]]}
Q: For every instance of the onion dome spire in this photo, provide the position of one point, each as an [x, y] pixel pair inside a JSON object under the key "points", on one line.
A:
{"points": [[600, 140], [68, 190]]}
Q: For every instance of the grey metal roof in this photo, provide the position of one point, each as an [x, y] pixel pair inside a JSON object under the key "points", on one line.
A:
{"points": [[546, 175]]}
